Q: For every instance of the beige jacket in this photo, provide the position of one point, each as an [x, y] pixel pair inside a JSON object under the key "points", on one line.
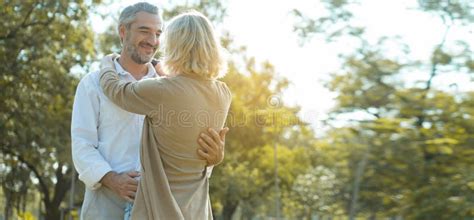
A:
{"points": [[173, 184]]}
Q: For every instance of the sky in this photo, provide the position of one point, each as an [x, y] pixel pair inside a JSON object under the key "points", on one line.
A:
{"points": [[265, 27]]}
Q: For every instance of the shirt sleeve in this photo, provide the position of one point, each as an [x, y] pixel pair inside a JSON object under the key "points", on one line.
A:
{"points": [[88, 161], [136, 97], [209, 171]]}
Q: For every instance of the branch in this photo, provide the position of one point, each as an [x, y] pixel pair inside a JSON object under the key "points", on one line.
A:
{"points": [[62, 185], [434, 67], [24, 24], [43, 186], [13, 32]]}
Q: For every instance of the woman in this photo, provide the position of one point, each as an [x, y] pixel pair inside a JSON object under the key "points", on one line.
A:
{"points": [[173, 182]]}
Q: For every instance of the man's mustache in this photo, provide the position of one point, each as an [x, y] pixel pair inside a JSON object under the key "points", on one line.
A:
{"points": [[149, 45]]}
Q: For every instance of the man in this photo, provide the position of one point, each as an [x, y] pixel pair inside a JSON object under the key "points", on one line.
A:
{"points": [[105, 138]]}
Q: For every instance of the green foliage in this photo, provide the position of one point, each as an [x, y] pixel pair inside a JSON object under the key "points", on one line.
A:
{"points": [[407, 148], [409, 155], [213, 9], [258, 120], [459, 10], [39, 43], [335, 23], [37, 94], [315, 190], [109, 42]]}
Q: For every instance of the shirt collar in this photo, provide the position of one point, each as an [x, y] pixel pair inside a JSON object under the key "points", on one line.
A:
{"points": [[122, 72]]}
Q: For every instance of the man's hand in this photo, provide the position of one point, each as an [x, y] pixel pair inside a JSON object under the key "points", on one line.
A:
{"points": [[123, 184], [212, 146]]}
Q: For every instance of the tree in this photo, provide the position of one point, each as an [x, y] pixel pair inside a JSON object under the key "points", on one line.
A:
{"points": [[39, 44], [408, 145], [315, 190], [260, 122]]}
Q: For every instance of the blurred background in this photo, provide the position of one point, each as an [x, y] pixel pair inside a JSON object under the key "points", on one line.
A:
{"points": [[342, 109]]}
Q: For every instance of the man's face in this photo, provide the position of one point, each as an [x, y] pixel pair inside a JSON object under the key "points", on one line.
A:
{"points": [[141, 40]]}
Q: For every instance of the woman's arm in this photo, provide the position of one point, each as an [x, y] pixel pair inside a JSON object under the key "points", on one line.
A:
{"points": [[137, 97]]}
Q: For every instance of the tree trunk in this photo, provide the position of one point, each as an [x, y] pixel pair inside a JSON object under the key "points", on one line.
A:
{"points": [[373, 216], [229, 210], [52, 212], [8, 206], [308, 213], [358, 178], [60, 190]]}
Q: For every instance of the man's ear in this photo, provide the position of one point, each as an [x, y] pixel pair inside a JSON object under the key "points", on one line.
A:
{"points": [[122, 33]]}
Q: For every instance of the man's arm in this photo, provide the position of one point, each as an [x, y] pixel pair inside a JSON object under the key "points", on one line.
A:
{"points": [[123, 184], [93, 169], [88, 161]]}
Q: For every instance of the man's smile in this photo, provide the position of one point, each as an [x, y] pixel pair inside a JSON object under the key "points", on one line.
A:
{"points": [[148, 48]]}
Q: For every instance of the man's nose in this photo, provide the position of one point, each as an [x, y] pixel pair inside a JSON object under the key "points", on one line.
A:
{"points": [[153, 40]]}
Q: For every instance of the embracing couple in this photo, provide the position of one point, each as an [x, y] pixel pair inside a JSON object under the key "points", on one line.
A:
{"points": [[146, 134]]}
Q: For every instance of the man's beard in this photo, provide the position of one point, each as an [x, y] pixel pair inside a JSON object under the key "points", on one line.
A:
{"points": [[132, 50]]}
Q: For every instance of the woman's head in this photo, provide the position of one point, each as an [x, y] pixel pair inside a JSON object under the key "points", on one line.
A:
{"points": [[191, 47]]}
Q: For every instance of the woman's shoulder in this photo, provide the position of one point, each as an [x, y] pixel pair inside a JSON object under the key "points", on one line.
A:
{"points": [[191, 84], [222, 84], [224, 88], [159, 81]]}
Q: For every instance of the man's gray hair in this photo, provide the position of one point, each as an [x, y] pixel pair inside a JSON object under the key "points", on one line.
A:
{"points": [[127, 16]]}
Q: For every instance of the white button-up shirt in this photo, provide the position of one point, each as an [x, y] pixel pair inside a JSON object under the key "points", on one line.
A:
{"points": [[104, 138]]}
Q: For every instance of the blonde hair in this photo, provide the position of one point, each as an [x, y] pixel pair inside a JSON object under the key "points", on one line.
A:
{"points": [[191, 47]]}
